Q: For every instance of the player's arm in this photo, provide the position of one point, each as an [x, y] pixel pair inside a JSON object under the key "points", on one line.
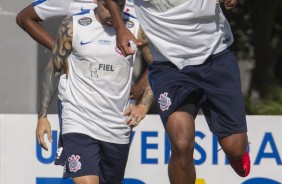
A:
{"points": [[137, 90], [29, 21], [144, 48], [51, 76], [137, 113], [123, 34]]}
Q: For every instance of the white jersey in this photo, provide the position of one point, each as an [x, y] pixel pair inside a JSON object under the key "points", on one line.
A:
{"points": [[185, 32], [99, 81]]}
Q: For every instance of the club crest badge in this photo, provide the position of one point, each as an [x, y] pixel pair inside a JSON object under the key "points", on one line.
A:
{"points": [[85, 21], [74, 163], [164, 101], [129, 24]]}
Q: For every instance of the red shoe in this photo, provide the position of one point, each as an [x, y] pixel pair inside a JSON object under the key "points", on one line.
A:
{"points": [[242, 167]]}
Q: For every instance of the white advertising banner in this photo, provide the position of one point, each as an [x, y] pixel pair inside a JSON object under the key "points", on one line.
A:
{"points": [[24, 162]]}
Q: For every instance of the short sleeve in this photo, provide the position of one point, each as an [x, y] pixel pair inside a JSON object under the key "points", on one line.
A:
{"points": [[46, 9]]}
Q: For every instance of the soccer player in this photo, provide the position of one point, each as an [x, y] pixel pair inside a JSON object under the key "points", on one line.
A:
{"points": [[29, 20], [30, 17], [97, 115], [193, 68]]}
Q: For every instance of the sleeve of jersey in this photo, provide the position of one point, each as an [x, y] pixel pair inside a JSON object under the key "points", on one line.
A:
{"points": [[46, 9]]}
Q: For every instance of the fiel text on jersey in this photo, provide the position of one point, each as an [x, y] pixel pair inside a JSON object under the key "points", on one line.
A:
{"points": [[106, 67]]}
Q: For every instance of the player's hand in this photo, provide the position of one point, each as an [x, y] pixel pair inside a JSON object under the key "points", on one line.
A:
{"points": [[43, 127], [126, 41], [229, 4], [135, 114]]}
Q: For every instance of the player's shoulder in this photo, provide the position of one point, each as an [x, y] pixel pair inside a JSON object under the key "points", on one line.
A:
{"points": [[46, 9], [51, 2]]}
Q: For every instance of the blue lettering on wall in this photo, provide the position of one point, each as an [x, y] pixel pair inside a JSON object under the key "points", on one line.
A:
{"points": [[200, 149], [40, 180], [261, 181], [268, 139], [53, 150], [132, 136], [145, 146], [214, 150], [53, 181], [167, 149], [132, 181]]}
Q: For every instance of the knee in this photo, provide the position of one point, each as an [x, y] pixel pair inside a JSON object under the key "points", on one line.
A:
{"points": [[181, 147], [182, 154], [235, 153], [235, 146]]}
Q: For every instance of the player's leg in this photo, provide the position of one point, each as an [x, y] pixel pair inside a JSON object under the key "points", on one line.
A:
{"points": [[177, 106], [180, 128], [82, 158], [232, 138], [225, 111], [235, 147], [89, 179]]}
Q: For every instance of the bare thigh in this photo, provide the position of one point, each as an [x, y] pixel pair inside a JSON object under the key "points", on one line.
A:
{"points": [[180, 128], [89, 179]]}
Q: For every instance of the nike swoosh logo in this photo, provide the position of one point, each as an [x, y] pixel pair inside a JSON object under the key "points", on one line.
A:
{"points": [[242, 171], [129, 15], [82, 11], [84, 43]]}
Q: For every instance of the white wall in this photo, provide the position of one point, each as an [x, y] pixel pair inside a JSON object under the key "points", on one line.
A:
{"points": [[24, 162], [18, 68], [22, 62]]}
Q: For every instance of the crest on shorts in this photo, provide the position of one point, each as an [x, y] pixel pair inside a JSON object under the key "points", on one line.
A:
{"points": [[164, 101], [74, 163]]}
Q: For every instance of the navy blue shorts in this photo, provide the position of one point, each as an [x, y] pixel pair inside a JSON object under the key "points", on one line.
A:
{"points": [[213, 86], [88, 156]]}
